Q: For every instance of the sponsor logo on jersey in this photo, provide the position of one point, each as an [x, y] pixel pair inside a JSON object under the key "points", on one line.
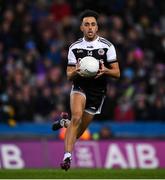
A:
{"points": [[89, 46], [79, 51]]}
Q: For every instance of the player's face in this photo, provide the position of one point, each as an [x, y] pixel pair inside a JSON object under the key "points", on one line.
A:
{"points": [[89, 28]]}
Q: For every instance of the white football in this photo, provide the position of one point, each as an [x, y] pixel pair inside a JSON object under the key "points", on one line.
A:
{"points": [[89, 66]]}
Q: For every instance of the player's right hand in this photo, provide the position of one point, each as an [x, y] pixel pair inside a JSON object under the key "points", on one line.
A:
{"points": [[78, 69]]}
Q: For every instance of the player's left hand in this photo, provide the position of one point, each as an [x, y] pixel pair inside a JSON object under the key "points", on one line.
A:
{"points": [[101, 70]]}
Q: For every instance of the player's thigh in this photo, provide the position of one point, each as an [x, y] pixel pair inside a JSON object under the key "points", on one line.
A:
{"points": [[86, 119], [77, 104]]}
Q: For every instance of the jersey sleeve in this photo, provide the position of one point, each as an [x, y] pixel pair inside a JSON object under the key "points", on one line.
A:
{"points": [[111, 54], [71, 58]]}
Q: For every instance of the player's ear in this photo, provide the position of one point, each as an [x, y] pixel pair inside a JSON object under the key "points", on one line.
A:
{"points": [[81, 27], [97, 28]]}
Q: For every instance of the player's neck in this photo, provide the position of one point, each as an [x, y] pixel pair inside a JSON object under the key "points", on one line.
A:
{"points": [[90, 40]]}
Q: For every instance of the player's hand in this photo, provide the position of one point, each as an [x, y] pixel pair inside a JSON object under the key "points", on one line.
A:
{"points": [[78, 69], [78, 66], [101, 70]]}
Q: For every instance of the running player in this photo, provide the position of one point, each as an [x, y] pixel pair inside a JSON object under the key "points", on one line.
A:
{"points": [[87, 94]]}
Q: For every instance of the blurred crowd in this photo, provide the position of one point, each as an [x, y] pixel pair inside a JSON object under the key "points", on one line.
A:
{"points": [[34, 41]]}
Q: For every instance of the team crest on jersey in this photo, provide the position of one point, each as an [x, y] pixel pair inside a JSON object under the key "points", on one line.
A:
{"points": [[101, 52]]}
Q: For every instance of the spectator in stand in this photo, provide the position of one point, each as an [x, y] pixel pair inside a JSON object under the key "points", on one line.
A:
{"points": [[141, 108], [54, 53], [105, 133], [124, 111], [157, 110], [60, 10]]}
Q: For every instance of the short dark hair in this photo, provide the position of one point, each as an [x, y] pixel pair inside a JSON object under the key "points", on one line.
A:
{"points": [[88, 13]]}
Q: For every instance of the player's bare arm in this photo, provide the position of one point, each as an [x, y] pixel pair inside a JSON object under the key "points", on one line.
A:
{"points": [[73, 72], [112, 71]]}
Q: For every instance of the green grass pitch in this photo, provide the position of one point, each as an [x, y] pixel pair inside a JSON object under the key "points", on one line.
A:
{"points": [[82, 174]]}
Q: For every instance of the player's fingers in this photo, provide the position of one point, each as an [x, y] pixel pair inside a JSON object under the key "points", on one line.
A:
{"points": [[98, 75], [77, 68], [80, 73], [101, 64]]}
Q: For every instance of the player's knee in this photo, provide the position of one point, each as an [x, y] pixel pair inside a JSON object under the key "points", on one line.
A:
{"points": [[76, 119]]}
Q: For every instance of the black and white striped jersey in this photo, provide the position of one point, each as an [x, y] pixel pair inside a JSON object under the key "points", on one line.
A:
{"points": [[101, 49]]}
